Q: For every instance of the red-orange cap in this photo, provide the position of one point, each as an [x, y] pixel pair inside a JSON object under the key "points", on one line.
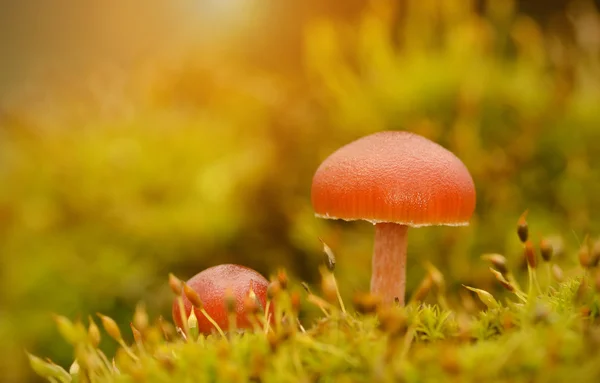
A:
{"points": [[396, 177], [211, 286]]}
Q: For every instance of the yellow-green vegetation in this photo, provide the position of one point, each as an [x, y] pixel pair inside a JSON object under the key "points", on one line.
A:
{"points": [[195, 160], [548, 333]]}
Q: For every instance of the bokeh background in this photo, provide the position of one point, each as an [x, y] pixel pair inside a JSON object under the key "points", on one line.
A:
{"points": [[142, 138]]}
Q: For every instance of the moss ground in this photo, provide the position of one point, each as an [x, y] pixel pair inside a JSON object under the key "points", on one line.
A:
{"points": [[547, 332]]}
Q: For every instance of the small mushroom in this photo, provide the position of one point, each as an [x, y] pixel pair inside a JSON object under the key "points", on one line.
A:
{"points": [[213, 285], [394, 180]]}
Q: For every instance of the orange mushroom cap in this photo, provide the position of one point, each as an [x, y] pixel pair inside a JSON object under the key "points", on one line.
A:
{"points": [[394, 176], [211, 286]]}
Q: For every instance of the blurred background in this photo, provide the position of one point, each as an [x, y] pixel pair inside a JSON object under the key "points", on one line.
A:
{"points": [[142, 138]]}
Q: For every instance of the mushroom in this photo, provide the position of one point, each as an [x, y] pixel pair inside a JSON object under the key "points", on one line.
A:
{"points": [[212, 286], [394, 180]]}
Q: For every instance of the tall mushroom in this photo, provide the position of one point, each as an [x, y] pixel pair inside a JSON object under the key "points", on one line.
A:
{"points": [[394, 180]]}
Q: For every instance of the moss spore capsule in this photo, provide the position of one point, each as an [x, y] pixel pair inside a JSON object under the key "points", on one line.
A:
{"points": [[282, 278], [366, 303], [523, 227], [546, 250], [584, 256], [175, 284], [192, 296], [111, 328], [93, 333], [498, 261]]}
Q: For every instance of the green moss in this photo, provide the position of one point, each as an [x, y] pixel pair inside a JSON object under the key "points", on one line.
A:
{"points": [[548, 336]]}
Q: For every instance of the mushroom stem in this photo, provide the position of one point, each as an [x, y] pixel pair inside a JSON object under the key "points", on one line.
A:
{"points": [[388, 278]]}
